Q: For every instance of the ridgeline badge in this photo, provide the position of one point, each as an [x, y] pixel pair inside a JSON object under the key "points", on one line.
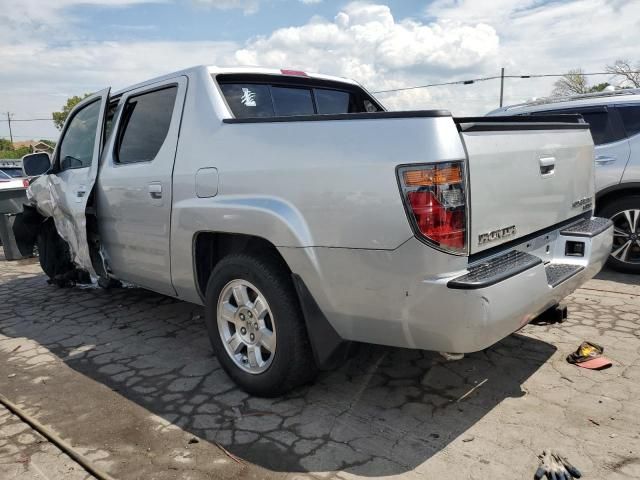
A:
{"points": [[496, 235]]}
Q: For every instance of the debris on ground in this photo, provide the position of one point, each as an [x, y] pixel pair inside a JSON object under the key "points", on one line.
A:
{"points": [[555, 466], [589, 355]]}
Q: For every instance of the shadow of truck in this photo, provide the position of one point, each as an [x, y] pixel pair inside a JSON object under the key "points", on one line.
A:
{"points": [[384, 412]]}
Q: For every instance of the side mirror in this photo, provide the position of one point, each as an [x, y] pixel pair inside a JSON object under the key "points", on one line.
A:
{"points": [[36, 164]]}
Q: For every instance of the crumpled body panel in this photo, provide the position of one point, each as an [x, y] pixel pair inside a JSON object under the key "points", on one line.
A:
{"points": [[44, 192]]}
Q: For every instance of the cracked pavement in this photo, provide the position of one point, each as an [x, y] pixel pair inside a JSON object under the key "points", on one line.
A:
{"points": [[128, 378]]}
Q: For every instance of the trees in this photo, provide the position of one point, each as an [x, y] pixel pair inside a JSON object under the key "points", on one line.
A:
{"points": [[60, 117], [572, 83], [7, 150], [628, 74]]}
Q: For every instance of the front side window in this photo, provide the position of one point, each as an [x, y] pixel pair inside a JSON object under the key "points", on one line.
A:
{"points": [[630, 118], [76, 148], [144, 125]]}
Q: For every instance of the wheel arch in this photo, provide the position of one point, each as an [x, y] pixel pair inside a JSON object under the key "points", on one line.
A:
{"points": [[209, 247], [616, 192]]}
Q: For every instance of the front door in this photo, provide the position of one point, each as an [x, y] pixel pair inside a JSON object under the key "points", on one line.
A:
{"points": [[134, 189], [75, 166]]}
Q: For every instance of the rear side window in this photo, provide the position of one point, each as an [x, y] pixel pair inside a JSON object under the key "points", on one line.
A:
{"points": [[602, 128], [144, 125], [603, 125], [630, 118]]}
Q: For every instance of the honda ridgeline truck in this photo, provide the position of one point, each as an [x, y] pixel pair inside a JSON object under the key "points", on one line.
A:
{"points": [[304, 216]]}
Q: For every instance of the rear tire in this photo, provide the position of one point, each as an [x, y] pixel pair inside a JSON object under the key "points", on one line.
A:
{"points": [[625, 253], [269, 310]]}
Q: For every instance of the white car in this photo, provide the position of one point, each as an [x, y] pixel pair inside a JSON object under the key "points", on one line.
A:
{"points": [[7, 182]]}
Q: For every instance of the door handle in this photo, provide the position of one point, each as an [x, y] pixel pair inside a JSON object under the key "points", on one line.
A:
{"points": [[605, 159], [547, 166], [155, 190], [80, 193]]}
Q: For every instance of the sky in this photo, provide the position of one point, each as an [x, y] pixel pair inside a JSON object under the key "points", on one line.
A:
{"points": [[53, 49]]}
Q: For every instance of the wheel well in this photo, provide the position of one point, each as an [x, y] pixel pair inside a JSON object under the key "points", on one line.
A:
{"points": [[211, 247], [616, 194]]}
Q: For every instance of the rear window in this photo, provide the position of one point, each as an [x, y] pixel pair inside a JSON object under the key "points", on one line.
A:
{"points": [[284, 98], [630, 118]]}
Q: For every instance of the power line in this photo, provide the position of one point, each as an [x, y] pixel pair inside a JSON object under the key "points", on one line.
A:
{"points": [[28, 120], [494, 77]]}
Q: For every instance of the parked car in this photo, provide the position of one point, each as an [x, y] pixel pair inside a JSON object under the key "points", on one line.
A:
{"points": [[614, 120], [304, 217], [8, 182]]}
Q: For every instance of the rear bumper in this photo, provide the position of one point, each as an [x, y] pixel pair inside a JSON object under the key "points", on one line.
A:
{"points": [[408, 297], [482, 311]]}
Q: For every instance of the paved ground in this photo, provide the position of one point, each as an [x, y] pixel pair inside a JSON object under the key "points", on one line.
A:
{"points": [[127, 377]]}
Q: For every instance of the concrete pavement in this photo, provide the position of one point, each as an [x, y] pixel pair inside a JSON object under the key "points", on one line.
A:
{"points": [[127, 376]]}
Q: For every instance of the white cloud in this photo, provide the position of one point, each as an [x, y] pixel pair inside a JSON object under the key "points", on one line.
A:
{"points": [[310, 2], [247, 6], [364, 41]]}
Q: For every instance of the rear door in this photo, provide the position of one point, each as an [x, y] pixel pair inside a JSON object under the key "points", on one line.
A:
{"points": [[525, 177], [134, 191], [75, 166]]}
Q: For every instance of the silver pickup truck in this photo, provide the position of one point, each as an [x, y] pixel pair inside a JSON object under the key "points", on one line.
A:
{"points": [[304, 217]]}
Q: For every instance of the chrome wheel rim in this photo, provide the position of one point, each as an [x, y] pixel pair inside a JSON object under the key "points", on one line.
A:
{"points": [[246, 326], [626, 236]]}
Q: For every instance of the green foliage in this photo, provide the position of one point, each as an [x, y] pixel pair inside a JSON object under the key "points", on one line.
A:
{"points": [[60, 117], [5, 145], [598, 87], [15, 153]]}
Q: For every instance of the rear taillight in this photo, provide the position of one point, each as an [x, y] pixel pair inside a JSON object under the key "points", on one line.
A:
{"points": [[25, 183], [435, 199]]}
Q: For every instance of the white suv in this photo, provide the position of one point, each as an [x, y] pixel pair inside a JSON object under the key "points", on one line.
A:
{"points": [[614, 120]]}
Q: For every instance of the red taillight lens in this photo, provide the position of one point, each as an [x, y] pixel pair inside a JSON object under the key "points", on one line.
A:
{"points": [[25, 183], [436, 201]]}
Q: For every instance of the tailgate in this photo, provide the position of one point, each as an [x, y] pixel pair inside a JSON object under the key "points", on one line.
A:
{"points": [[525, 174]]}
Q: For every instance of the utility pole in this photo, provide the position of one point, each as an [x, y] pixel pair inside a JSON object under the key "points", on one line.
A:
{"points": [[9, 122], [501, 85]]}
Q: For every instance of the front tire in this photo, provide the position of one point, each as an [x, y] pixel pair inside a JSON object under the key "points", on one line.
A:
{"points": [[625, 215], [53, 254], [256, 327]]}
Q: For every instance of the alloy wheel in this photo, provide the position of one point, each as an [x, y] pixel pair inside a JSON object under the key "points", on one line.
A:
{"points": [[626, 236], [246, 326]]}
